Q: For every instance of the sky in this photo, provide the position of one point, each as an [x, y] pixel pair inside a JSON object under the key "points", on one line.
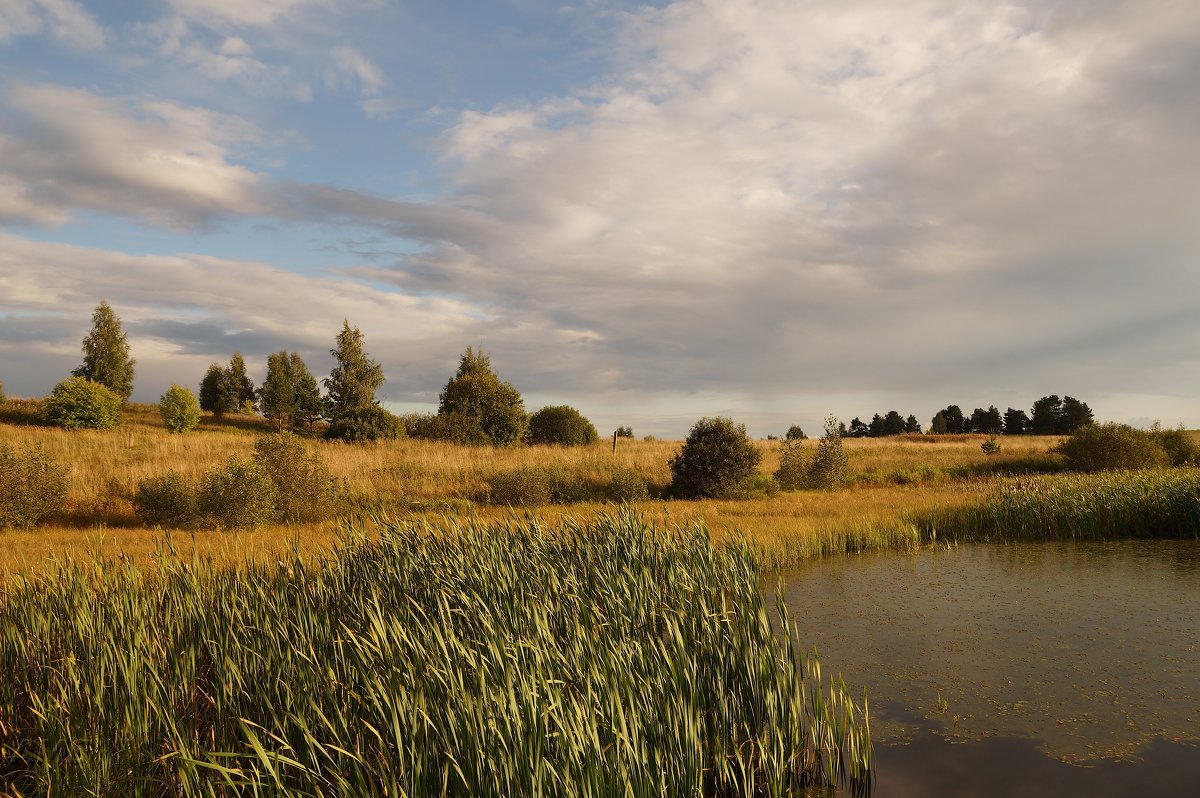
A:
{"points": [[773, 210]]}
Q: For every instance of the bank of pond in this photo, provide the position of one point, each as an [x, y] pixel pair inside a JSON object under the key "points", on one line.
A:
{"points": [[1049, 629]]}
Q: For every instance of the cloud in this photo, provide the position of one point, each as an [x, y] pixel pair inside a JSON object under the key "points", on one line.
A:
{"points": [[240, 13], [162, 162], [352, 70], [67, 21], [183, 312]]}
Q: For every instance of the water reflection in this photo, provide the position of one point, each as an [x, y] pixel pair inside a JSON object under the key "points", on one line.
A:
{"points": [[1049, 661]]}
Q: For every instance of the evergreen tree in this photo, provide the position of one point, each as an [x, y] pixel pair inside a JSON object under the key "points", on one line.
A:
{"points": [[354, 380], [794, 433], [106, 354], [858, 429], [477, 392], [1045, 418], [893, 423], [912, 426], [1016, 422], [1075, 414], [938, 425], [875, 428], [987, 421]]}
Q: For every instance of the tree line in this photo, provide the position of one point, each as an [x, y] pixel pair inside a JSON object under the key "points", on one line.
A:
{"points": [[1049, 415]]}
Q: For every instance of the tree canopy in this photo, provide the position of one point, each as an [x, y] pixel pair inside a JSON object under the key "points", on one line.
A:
{"points": [[476, 392], [352, 383], [106, 357]]}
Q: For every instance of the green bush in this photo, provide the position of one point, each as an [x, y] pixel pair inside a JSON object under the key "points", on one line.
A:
{"points": [[458, 428], [168, 500], [561, 425], [475, 390], [524, 487], [237, 495], [1108, 447], [32, 486], [627, 485], [366, 423], [1180, 446], [304, 489], [79, 403], [830, 466], [794, 433], [179, 409], [792, 473], [715, 460]]}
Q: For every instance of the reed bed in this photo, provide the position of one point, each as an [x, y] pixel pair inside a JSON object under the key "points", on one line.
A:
{"points": [[613, 658]]}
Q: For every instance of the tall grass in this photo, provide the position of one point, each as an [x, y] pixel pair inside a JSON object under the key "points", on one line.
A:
{"points": [[611, 659]]}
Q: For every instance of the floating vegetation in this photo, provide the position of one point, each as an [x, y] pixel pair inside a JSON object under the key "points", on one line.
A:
{"points": [[511, 659]]}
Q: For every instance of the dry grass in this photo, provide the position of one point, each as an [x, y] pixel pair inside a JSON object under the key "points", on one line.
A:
{"points": [[890, 478]]}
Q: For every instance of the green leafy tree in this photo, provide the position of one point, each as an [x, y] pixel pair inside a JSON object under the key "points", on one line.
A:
{"points": [[79, 403], [794, 433], [561, 425], [106, 354], [716, 460], [938, 424], [213, 394], [912, 426], [893, 423], [989, 421], [352, 383], [792, 473], [1016, 422], [477, 392], [1075, 414], [289, 394], [238, 389], [624, 432], [830, 466], [1045, 417], [179, 409]]}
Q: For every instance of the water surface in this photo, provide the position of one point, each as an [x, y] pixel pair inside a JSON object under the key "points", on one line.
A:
{"points": [[1008, 669]]}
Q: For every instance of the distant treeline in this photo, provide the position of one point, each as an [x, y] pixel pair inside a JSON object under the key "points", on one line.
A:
{"points": [[1049, 415]]}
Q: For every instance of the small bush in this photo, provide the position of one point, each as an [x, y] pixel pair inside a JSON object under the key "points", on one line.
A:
{"points": [[168, 500], [1108, 447], [990, 446], [624, 432], [304, 489], [367, 423], [1181, 447], [32, 486], [78, 403], [180, 410], [459, 428], [237, 495], [627, 485], [561, 425], [794, 433], [792, 473], [715, 460], [524, 487], [830, 466]]}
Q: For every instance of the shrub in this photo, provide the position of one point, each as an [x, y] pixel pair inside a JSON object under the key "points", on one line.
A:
{"points": [[627, 485], [168, 500], [179, 409], [830, 467], [561, 425], [794, 433], [304, 489], [990, 446], [624, 432], [238, 494], [1181, 448], [1107, 447], [366, 423], [32, 486], [715, 460], [524, 487], [79, 403], [3, 398], [792, 473], [476, 390], [452, 427]]}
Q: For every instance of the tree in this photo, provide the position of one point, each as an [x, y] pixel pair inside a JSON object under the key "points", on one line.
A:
{"points": [[106, 354], [987, 421], [213, 394], [1108, 447], [79, 403], [354, 380], [1075, 414], [624, 432], [912, 426], [289, 394], [893, 423], [716, 459], [1045, 418], [179, 409], [875, 428], [1016, 422], [858, 429], [956, 423], [793, 465], [938, 425], [830, 466], [477, 392], [561, 425], [794, 433], [239, 390]]}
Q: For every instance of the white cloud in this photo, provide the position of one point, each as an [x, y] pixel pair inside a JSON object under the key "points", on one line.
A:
{"points": [[66, 20], [242, 12], [352, 70], [159, 161]]}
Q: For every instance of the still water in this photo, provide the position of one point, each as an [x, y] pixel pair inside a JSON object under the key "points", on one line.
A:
{"points": [[1022, 669]]}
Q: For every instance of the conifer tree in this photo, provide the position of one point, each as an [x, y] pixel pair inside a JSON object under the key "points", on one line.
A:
{"points": [[106, 353], [353, 381]]}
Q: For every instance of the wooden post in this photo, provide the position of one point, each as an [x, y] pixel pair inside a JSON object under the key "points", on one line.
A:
{"points": [[614, 442]]}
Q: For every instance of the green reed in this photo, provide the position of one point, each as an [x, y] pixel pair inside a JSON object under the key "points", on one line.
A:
{"points": [[511, 659]]}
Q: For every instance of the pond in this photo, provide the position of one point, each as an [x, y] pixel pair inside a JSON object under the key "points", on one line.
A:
{"points": [[1021, 669]]}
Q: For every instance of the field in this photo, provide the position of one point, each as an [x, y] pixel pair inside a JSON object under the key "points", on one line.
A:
{"points": [[891, 479]]}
